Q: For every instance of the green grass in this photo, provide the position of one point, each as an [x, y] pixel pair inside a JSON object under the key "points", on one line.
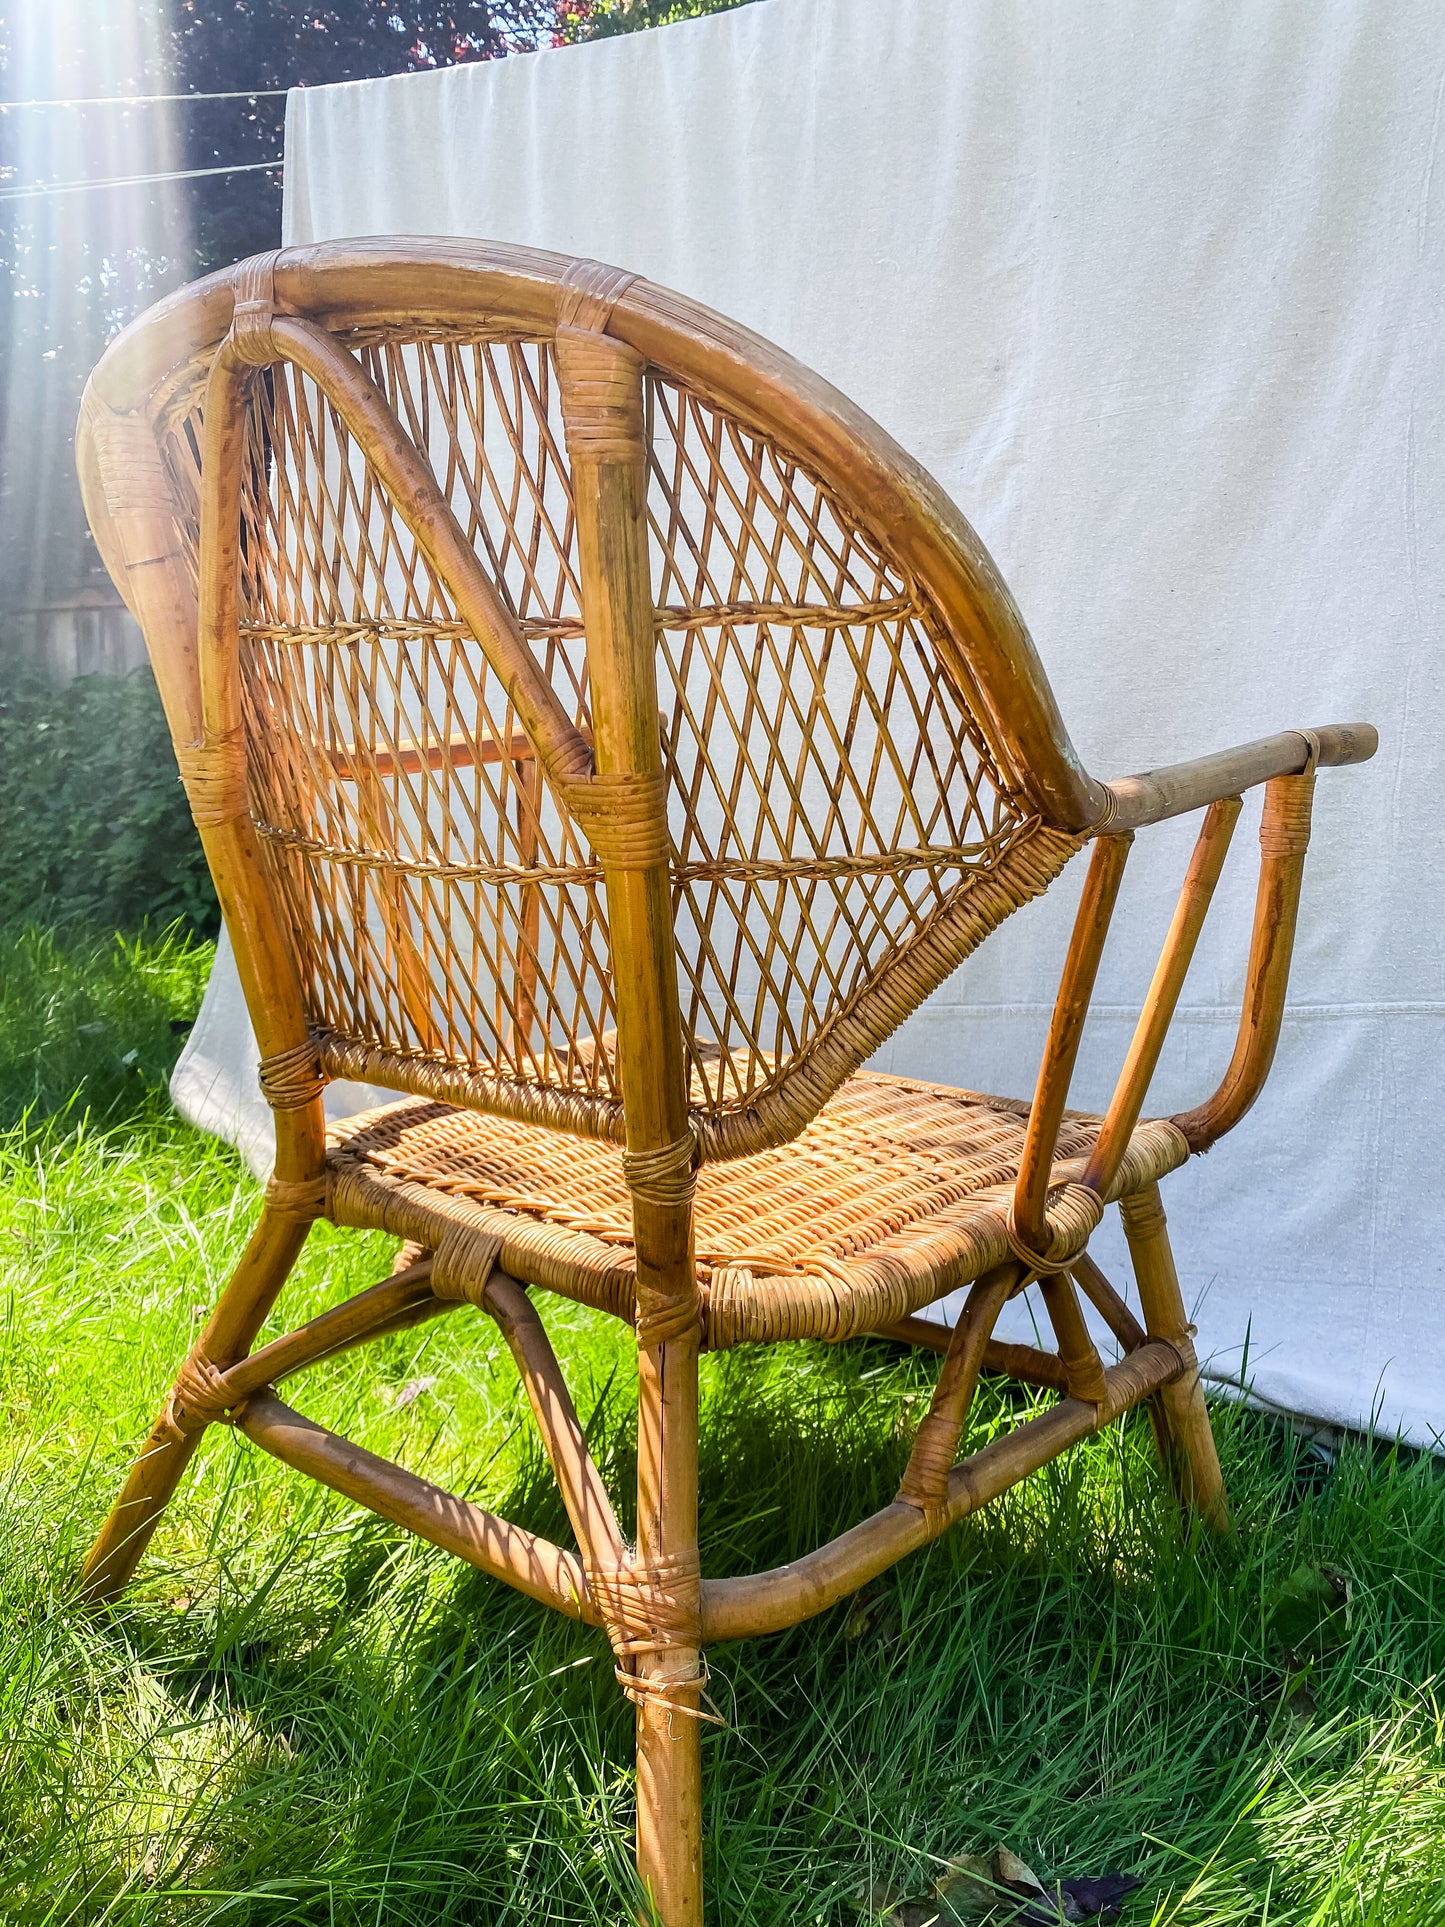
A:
{"points": [[298, 1715]]}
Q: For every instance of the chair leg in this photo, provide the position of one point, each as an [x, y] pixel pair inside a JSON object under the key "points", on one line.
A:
{"points": [[1190, 1458], [669, 1748], [240, 1312], [669, 1814]]}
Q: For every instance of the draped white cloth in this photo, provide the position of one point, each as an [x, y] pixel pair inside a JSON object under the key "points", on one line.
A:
{"points": [[1155, 291]]}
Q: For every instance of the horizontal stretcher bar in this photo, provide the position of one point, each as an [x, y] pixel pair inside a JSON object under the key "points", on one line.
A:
{"points": [[508, 1552], [767, 1602], [406, 1298], [459, 751], [739, 1608], [1024, 1362]]}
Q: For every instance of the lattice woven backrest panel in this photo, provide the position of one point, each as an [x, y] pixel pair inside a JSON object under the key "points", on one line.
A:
{"points": [[830, 795], [833, 791]]}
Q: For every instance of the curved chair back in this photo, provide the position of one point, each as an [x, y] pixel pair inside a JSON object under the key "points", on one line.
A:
{"points": [[586, 696]]}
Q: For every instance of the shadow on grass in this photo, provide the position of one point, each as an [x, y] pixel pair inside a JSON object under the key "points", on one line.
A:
{"points": [[343, 1726], [300, 1715]]}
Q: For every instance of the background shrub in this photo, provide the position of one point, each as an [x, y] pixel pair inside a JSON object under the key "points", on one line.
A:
{"points": [[94, 829]]}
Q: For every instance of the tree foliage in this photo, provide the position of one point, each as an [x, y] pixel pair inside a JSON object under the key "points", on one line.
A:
{"points": [[94, 830], [276, 43], [93, 827], [74, 268], [601, 19]]}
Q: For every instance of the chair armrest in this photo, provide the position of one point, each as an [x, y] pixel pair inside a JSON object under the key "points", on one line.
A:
{"points": [[1181, 787]]}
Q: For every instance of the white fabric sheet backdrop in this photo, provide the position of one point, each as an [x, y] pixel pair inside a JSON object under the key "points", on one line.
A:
{"points": [[1155, 291]]}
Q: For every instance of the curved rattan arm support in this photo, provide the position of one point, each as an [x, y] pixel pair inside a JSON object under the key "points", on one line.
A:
{"points": [[1284, 834], [1125, 1106], [1045, 1239], [1066, 1029], [1284, 838], [1182, 787]]}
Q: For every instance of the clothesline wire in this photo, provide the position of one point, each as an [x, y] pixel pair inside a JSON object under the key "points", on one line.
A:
{"points": [[135, 180], [147, 100]]}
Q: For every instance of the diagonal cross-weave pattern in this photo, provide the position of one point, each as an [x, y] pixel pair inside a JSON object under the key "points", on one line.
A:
{"points": [[836, 799], [444, 905], [841, 834]]}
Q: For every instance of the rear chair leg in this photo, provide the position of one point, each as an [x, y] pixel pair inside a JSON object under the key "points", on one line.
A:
{"points": [[240, 1312], [1190, 1459]]}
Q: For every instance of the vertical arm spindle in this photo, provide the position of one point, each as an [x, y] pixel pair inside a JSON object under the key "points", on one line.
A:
{"points": [[1159, 1006]]}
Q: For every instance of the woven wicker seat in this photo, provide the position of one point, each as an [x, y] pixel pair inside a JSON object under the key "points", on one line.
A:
{"points": [[895, 1194], [603, 737]]}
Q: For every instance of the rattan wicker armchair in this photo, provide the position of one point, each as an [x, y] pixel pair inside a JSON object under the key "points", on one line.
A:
{"points": [[604, 736]]}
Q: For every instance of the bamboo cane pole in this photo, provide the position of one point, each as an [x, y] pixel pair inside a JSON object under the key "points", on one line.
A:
{"points": [[602, 404], [508, 1552]]}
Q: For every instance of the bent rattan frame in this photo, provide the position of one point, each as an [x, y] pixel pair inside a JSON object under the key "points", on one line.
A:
{"points": [[603, 735]]}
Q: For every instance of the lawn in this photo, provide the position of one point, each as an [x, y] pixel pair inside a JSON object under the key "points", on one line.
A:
{"points": [[298, 1715]]}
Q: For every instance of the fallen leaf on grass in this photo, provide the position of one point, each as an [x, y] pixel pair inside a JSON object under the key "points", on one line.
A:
{"points": [[877, 1901], [1099, 1898], [1011, 1872], [1000, 1887]]}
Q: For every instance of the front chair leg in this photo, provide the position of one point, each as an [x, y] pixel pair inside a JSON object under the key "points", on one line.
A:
{"points": [[669, 1731], [1191, 1461], [669, 1809], [240, 1312]]}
